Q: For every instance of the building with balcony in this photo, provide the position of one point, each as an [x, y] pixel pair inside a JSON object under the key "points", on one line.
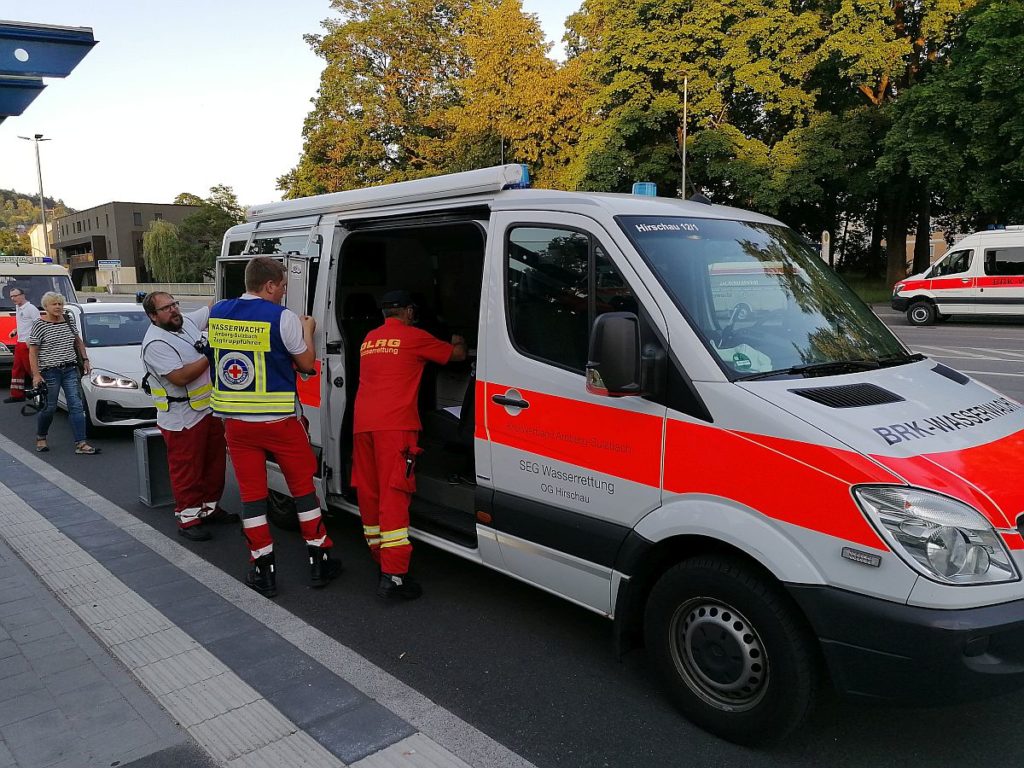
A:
{"points": [[103, 244]]}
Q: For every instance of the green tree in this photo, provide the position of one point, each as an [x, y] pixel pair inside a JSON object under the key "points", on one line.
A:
{"points": [[13, 244], [200, 233], [882, 49], [161, 251], [749, 66], [962, 130], [390, 74], [515, 104]]}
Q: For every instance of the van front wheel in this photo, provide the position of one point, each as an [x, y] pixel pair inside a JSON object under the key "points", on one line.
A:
{"points": [[729, 643], [921, 313]]}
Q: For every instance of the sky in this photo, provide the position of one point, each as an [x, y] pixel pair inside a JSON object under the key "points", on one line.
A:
{"points": [[178, 97]]}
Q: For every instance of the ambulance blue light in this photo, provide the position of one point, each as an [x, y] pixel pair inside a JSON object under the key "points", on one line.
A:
{"points": [[524, 180], [645, 189]]}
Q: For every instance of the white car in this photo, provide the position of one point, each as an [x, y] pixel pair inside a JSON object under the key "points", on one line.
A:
{"points": [[113, 334]]}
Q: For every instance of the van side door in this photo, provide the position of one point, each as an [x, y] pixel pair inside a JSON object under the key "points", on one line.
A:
{"points": [[1001, 288], [952, 282], [302, 273], [572, 471]]}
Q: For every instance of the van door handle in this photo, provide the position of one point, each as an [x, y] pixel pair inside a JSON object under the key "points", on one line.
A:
{"points": [[510, 402], [965, 280]]}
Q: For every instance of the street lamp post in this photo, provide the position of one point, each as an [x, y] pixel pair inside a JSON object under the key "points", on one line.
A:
{"points": [[42, 201]]}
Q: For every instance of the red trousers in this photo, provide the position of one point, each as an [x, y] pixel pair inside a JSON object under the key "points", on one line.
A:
{"points": [[196, 459], [384, 475], [19, 371], [286, 443]]}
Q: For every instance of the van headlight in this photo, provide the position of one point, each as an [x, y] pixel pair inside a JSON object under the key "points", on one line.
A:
{"points": [[941, 538]]}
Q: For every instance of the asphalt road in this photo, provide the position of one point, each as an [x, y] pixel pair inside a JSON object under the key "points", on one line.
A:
{"points": [[538, 674]]}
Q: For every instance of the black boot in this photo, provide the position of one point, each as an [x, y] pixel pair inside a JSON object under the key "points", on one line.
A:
{"points": [[321, 567], [398, 585], [262, 577]]}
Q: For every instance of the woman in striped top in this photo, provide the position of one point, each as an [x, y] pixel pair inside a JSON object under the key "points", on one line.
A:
{"points": [[52, 347]]}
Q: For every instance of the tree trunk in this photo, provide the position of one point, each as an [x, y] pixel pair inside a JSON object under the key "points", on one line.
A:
{"points": [[896, 221], [923, 241]]}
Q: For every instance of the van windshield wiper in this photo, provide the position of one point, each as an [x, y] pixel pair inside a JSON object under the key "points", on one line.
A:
{"points": [[900, 358], [817, 369]]}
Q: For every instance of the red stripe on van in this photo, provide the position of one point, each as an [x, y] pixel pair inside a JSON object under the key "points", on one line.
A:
{"points": [[1013, 540], [605, 439], [992, 468], [798, 483], [8, 329]]}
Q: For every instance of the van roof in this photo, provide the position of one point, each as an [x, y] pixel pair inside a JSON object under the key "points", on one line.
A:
{"points": [[495, 187], [30, 268]]}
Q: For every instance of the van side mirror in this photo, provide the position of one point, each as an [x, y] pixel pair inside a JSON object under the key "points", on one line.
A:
{"points": [[613, 367], [91, 300]]}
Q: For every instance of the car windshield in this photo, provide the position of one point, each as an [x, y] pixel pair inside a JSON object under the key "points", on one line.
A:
{"points": [[34, 286], [114, 329], [761, 299]]}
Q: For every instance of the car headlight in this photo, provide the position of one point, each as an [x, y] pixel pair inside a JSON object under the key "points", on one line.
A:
{"points": [[943, 539], [111, 381]]}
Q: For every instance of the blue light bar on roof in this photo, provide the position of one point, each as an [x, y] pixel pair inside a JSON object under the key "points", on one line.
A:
{"points": [[524, 179], [645, 189]]}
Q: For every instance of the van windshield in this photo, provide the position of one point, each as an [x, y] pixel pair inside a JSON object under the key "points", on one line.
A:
{"points": [[34, 286], [761, 299]]}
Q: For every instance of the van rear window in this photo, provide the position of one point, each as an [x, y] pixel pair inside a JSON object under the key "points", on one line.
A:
{"points": [[1004, 261]]}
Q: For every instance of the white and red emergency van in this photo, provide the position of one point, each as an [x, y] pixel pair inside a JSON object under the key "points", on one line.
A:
{"points": [[34, 278], [675, 415], [983, 274]]}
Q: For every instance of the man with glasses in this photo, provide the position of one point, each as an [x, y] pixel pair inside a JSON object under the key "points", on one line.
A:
{"points": [[178, 374], [27, 314]]}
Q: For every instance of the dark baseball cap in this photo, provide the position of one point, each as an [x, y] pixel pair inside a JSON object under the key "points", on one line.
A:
{"points": [[393, 299]]}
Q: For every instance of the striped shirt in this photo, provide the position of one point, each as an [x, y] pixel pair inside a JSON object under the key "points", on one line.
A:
{"points": [[56, 342]]}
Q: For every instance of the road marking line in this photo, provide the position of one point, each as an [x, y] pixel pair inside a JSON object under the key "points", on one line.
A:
{"points": [[990, 373]]}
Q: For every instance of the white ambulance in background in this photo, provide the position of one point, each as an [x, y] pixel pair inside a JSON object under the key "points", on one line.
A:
{"points": [[983, 274], [767, 497], [34, 278]]}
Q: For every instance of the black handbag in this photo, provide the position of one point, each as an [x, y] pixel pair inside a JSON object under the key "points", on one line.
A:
{"points": [[79, 360]]}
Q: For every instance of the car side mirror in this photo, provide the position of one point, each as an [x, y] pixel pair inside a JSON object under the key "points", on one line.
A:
{"points": [[91, 300], [614, 365]]}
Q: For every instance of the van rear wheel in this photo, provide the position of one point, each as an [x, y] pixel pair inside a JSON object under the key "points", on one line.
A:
{"points": [[732, 648], [921, 313]]}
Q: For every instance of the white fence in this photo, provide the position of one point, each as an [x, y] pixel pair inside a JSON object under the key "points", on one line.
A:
{"points": [[178, 289]]}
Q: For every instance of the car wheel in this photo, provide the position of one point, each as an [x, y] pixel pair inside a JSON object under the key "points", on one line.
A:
{"points": [[921, 313], [281, 511], [733, 650]]}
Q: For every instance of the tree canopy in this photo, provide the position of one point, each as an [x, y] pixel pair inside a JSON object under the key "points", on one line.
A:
{"points": [[867, 118], [187, 252]]}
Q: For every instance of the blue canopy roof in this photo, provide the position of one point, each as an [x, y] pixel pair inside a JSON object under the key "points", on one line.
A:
{"points": [[29, 52]]}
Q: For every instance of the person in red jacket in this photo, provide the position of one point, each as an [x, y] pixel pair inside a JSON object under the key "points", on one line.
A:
{"points": [[385, 433]]}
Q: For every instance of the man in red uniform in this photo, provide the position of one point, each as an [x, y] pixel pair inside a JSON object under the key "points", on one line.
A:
{"points": [[386, 428]]}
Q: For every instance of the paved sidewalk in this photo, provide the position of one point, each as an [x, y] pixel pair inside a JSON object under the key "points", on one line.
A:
{"points": [[63, 700], [243, 682]]}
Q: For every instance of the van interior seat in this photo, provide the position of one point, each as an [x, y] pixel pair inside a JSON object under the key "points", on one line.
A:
{"points": [[454, 426]]}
